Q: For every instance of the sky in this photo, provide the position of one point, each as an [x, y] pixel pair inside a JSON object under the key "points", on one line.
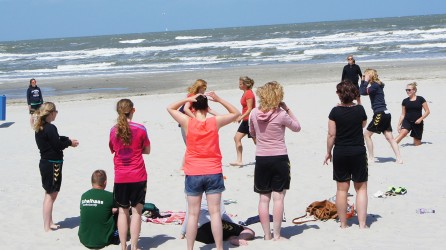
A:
{"points": [[38, 19]]}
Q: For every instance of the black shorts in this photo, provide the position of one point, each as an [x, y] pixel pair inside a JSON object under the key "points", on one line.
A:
{"points": [[380, 123], [416, 129], [204, 233], [350, 167], [130, 194], [51, 173], [272, 173], [34, 108], [244, 128]]}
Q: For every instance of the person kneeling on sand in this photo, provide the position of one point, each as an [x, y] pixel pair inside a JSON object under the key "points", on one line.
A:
{"points": [[98, 214], [236, 234]]}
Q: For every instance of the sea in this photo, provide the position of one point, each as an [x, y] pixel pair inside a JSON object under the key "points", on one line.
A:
{"points": [[378, 39]]}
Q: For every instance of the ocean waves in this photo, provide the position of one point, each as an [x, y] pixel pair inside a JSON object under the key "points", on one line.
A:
{"points": [[391, 39]]}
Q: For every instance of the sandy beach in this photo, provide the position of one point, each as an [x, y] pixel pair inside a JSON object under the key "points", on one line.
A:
{"points": [[309, 91]]}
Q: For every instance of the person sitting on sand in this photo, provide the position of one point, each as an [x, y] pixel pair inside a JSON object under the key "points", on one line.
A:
{"points": [[98, 214], [381, 121], [345, 125], [236, 234]]}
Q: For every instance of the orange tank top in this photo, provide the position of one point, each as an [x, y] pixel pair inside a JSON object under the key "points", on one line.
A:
{"points": [[203, 156]]}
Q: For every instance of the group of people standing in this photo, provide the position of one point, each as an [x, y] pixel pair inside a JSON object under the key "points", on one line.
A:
{"points": [[203, 160], [265, 123], [346, 138]]}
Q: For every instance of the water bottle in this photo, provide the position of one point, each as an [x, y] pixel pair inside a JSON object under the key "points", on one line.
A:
{"points": [[425, 211]]}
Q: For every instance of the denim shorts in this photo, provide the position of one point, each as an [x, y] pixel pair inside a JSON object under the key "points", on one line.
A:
{"points": [[195, 185]]}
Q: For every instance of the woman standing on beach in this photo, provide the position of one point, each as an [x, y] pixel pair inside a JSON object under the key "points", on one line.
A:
{"points": [[272, 169], [50, 145], [352, 72], [128, 141], [411, 118], [381, 121], [248, 102], [202, 161], [345, 125], [199, 87], [34, 99]]}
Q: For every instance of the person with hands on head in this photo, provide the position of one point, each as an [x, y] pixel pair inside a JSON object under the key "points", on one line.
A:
{"points": [[345, 138], [412, 118], [202, 161], [199, 87], [51, 146], [248, 102]]}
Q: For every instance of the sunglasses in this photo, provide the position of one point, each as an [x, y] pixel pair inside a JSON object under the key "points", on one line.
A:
{"points": [[408, 90]]}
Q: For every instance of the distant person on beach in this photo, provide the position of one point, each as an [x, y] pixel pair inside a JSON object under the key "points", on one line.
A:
{"points": [[34, 99], [202, 161], [248, 102], [345, 124], [272, 175], [236, 234], [50, 145], [412, 116], [352, 72], [199, 87], [381, 121], [98, 212], [128, 142]]}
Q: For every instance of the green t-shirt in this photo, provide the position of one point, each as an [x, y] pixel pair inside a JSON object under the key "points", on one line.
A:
{"points": [[97, 224]]}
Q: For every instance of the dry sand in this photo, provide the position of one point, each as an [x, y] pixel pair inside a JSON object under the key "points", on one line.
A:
{"points": [[309, 92]]}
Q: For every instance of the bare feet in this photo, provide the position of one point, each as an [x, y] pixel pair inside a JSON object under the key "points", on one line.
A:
{"points": [[399, 161], [53, 227], [344, 226], [364, 227], [267, 237], [236, 164], [280, 239]]}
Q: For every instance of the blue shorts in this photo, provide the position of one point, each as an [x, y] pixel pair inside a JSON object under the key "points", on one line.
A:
{"points": [[195, 185]]}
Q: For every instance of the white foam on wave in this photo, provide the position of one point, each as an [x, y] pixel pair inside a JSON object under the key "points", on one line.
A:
{"points": [[191, 37], [345, 50], [423, 45], [133, 41]]}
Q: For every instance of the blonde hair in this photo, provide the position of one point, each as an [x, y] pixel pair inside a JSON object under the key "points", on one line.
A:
{"points": [[413, 85], [196, 86], [270, 95], [99, 177], [124, 108], [373, 76], [248, 82], [41, 114]]}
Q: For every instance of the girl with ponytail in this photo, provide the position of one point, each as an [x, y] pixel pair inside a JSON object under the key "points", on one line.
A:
{"points": [[128, 141], [50, 145]]}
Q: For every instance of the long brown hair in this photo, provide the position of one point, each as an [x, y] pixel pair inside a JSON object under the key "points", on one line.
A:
{"points": [[41, 115], [124, 108]]}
